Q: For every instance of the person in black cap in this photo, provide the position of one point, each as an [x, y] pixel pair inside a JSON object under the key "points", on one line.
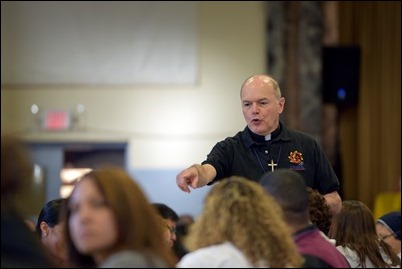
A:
{"points": [[389, 230]]}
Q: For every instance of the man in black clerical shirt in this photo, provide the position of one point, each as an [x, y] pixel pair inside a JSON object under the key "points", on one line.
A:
{"points": [[265, 145]]}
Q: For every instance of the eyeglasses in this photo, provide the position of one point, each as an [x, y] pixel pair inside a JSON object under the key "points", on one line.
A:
{"points": [[382, 237]]}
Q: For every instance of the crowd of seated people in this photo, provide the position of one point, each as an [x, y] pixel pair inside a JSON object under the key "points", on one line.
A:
{"points": [[108, 222]]}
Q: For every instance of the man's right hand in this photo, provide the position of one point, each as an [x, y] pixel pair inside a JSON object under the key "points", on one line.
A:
{"points": [[195, 176], [186, 178]]}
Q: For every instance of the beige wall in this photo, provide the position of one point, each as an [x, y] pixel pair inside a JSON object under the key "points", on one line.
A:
{"points": [[170, 126]]}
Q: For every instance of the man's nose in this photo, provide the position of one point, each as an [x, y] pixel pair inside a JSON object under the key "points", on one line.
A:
{"points": [[254, 108]]}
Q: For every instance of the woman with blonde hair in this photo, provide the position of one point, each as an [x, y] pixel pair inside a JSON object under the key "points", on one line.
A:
{"points": [[111, 224], [356, 238], [240, 226]]}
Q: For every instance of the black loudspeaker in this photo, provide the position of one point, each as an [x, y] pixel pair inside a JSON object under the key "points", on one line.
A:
{"points": [[340, 75]]}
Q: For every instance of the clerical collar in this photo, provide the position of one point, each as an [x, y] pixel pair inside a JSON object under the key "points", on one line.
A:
{"points": [[261, 138]]}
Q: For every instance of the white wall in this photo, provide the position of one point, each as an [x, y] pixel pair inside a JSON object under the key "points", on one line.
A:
{"points": [[99, 42], [172, 126]]}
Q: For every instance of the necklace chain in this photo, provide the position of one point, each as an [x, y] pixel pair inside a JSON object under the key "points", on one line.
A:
{"points": [[271, 164]]}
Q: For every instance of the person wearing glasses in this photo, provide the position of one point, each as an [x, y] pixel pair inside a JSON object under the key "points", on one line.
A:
{"points": [[389, 230]]}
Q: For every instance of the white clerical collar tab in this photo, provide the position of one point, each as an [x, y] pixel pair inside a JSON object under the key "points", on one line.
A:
{"points": [[268, 137]]}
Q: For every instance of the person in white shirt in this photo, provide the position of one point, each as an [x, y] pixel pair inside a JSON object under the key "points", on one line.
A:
{"points": [[356, 238], [240, 226]]}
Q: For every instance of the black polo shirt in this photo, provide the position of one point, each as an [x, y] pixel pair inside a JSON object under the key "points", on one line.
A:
{"points": [[247, 154]]}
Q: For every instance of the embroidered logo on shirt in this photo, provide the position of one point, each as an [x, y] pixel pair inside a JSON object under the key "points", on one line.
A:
{"points": [[296, 158]]}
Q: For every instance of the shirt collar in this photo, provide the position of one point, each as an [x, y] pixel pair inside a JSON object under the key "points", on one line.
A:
{"points": [[251, 138]]}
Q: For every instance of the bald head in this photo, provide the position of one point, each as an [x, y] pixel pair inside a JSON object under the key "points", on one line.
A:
{"points": [[261, 81]]}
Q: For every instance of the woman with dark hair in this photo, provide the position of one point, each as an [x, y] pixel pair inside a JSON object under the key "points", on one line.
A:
{"points": [[356, 238], [20, 248], [319, 210], [49, 229]]}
